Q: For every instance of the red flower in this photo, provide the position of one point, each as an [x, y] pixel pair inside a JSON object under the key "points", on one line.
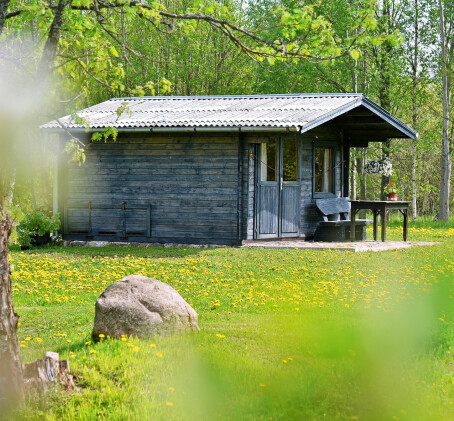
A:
{"points": [[391, 184]]}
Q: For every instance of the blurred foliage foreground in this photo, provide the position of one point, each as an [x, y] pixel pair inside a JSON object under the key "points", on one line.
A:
{"points": [[285, 334]]}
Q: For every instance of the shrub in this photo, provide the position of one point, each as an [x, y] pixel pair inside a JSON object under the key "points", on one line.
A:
{"points": [[36, 228]]}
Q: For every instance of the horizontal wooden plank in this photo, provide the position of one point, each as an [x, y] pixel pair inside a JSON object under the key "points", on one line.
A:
{"points": [[215, 193], [141, 138], [150, 154], [170, 146], [201, 234], [165, 203], [153, 170], [124, 183], [162, 240]]}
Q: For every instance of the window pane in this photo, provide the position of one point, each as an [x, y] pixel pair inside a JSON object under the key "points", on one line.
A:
{"points": [[268, 161], [323, 170], [290, 169]]}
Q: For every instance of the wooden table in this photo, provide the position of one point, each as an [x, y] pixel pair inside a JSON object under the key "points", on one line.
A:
{"points": [[378, 207]]}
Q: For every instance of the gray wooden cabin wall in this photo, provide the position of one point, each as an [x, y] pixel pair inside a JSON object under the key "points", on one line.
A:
{"points": [[168, 189], [190, 189]]}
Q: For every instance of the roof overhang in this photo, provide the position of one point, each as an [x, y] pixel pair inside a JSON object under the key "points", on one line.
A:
{"points": [[364, 121]]}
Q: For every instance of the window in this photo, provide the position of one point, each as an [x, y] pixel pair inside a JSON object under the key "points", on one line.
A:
{"points": [[323, 170], [290, 160], [268, 161]]}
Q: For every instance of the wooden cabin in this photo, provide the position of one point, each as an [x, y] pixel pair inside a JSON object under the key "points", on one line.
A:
{"points": [[212, 169]]}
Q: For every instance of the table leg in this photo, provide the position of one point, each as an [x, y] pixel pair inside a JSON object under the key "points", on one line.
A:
{"points": [[375, 212], [352, 224], [383, 225], [405, 213]]}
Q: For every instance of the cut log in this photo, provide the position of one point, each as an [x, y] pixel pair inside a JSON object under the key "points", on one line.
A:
{"points": [[49, 371]]}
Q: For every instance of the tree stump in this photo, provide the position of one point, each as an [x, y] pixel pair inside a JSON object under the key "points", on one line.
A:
{"points": [[46, 372]]}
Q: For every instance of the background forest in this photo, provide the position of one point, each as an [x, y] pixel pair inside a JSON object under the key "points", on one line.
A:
{"points": [[127, 51]]}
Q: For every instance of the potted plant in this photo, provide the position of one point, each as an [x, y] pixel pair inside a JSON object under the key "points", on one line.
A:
{"points": [[36, 228], [390, 190]]}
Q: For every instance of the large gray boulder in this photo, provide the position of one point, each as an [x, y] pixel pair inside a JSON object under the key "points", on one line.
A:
{"points": [[143, 307]]}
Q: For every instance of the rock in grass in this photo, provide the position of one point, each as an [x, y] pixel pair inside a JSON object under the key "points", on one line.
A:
{"points": [[143, 307]]}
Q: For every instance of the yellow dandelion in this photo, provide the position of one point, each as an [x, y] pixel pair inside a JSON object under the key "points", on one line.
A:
{"points": [[169, 403], [136, 349], [159, 354], [68, 340], [220, 336], [101, 335], [153, 345], [92, 351]]}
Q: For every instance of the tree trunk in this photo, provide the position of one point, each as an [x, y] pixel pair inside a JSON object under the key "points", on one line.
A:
{"points": [[4, 5], [443, 210], [414, 209], [53, 37], [11, 379]]}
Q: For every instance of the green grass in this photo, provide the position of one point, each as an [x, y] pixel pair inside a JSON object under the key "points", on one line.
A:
{"points": [[285, 334]]}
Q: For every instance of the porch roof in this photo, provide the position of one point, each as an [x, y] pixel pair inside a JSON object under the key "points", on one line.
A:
{"points": [[361, 119]]}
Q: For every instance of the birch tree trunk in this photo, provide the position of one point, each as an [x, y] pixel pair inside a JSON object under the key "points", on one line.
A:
{"points": [[443, 210], [414, 210]]}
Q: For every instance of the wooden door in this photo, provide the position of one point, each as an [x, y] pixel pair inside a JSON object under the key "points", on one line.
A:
{"points": [[277, 211]]}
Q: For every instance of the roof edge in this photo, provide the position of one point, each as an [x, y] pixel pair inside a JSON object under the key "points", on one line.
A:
{"points": [[394, 121], [370, 105], [297, 95]]}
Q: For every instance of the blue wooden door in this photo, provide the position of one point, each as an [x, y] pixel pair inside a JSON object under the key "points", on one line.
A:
{"points": [[277, 210]]}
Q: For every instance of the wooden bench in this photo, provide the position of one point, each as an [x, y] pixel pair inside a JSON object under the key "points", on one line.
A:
{"points": [[334, 222]]}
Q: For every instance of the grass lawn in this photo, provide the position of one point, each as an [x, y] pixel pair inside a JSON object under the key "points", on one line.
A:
{"points": [[285, 334]]}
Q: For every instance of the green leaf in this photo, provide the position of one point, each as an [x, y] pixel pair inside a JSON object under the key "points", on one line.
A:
{"points": [[354, 54]]}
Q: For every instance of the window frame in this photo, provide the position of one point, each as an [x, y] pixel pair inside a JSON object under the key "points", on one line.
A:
{"points": [[334, 148]]}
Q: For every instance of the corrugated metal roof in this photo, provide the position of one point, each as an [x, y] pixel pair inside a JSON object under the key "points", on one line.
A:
{"points": [[300, 111]]}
